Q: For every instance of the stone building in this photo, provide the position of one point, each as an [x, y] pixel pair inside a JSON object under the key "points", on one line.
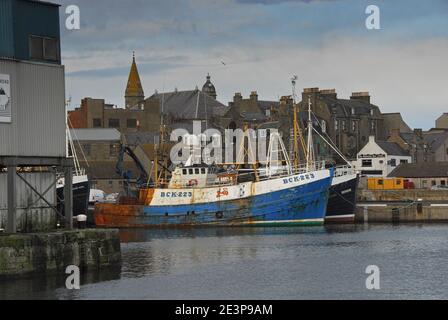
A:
{"points": [[251, 111], [430, 146], [97, 151], [442, 121], [139, 114], [394, 121], [348, 122]]}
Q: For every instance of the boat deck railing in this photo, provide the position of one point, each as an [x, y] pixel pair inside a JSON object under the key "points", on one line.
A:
{"points": [[262, 175]]}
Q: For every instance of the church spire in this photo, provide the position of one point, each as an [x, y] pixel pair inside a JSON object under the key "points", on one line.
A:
{"points": [[134, 91]]}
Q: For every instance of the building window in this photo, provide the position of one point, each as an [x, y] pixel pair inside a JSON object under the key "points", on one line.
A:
{"points": [[404, 161], [97, 123], [324, 126], [433, 183], [268, 113], [336, 125], [353, 111], [443, 182], [113, 150], [393, 162], [131, 123], [42, 48], [114, 123], [424, 183], [367, 163], [354, 126], [372, 126], [344, 125]]}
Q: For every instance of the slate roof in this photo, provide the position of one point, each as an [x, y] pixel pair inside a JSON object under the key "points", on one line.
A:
{"points": [[421, 170], [343, 107], [412, 138], [435, 140], [96, 134], [265, 105], [137, 138], [184, 105], [392, 148]]}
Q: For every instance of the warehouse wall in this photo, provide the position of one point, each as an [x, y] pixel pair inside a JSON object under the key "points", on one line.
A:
{"points": [[33, 214], [38, 110]]}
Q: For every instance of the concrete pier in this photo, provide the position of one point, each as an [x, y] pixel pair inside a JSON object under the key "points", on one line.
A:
{"points": [[398, 212], [51, 253], [396, 206]]}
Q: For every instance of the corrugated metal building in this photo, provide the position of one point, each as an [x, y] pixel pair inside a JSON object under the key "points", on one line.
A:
{"points": [[22, 19], [32, 113], [32, 213], [37, 126], [34, 117]]}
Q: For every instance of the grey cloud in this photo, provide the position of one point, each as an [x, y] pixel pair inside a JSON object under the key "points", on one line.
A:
{"points": [[271, 2]]}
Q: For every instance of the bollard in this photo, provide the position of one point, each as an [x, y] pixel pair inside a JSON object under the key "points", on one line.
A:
{"points": [[395, 215], [420, 206], [81, 221]]}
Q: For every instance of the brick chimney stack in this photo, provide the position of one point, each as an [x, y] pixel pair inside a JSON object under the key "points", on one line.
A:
{"points": [[364, 96], [329, 93], [237, 97], [254, 96]]}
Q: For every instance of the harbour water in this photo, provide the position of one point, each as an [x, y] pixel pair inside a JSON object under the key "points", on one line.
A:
{"points": [[327, 262]]}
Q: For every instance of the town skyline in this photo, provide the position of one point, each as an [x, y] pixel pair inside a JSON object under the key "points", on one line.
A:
{"points": [[325, 43]]}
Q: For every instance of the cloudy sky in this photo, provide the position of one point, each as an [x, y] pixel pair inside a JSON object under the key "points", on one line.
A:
{"points": [[263, 43]]}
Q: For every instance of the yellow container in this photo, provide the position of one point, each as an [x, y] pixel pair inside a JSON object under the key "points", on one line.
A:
{"points": [[385, 183]]}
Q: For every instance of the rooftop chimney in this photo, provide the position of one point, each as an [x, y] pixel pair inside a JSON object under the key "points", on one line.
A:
{"points": [[237, 97], [364, 96], [329, 93], [254, 95]]}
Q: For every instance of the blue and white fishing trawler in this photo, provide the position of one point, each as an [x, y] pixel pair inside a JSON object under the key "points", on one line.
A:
{"points": [[200, 195]]}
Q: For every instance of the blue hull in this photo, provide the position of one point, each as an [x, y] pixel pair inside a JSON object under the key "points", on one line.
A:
{"points": [[301, 205]]}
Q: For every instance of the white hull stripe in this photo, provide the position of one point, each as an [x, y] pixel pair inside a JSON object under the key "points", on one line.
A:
{"points": [[340, 216], [287, 221]]}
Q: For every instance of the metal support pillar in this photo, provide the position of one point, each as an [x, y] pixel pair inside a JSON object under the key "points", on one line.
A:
{"points": [[11, 226], [68, 197]]}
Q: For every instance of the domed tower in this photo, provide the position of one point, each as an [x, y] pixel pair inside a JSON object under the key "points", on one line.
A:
{"points": [[208, 88], [134, 91]]}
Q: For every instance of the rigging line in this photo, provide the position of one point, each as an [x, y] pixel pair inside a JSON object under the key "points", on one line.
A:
{"points": [[330, 143], [333, 145], [79, 144], [335, 149], [197, 104]]}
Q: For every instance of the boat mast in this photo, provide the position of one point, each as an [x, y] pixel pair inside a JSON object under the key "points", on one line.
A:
{"points": [[295, 124], [310, 147]]}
